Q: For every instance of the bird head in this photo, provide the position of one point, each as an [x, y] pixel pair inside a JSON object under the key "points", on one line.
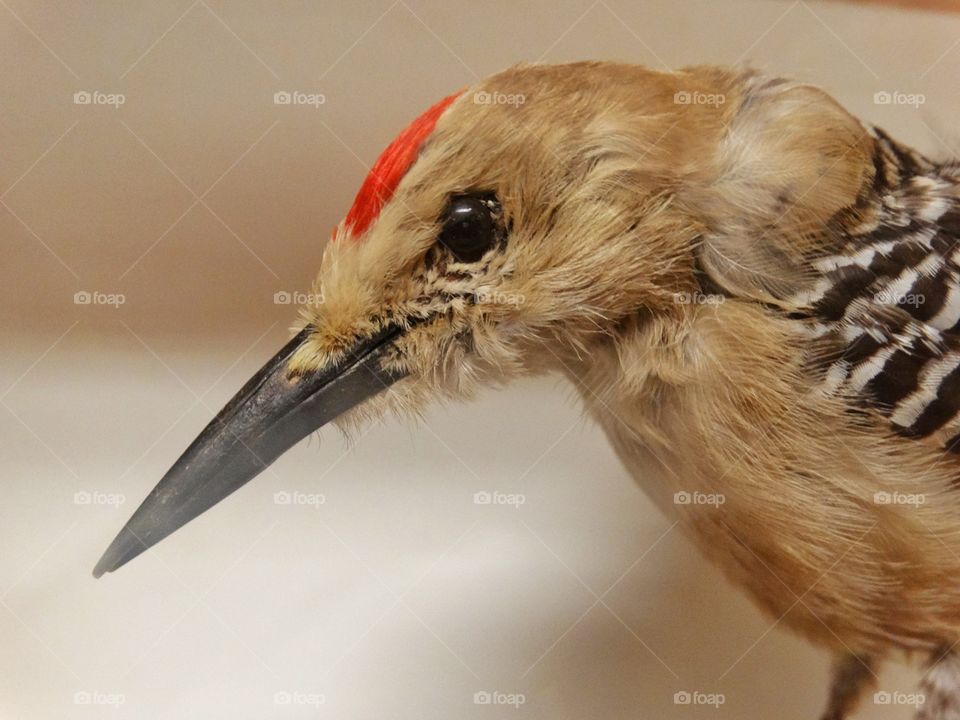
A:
{"points": [[511, 229]]}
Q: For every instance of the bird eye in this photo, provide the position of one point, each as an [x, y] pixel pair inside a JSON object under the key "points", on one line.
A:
{"points": [[471, 226]]}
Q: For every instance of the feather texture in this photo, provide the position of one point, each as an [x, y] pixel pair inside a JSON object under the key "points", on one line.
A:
{"points": [[885, 304]]}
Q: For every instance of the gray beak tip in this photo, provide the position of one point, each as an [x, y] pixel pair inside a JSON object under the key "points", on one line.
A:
{"points": [[268, 416], [122, 550]]}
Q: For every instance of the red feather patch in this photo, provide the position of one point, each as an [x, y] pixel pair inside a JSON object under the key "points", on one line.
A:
{"points": [[391, 166]]}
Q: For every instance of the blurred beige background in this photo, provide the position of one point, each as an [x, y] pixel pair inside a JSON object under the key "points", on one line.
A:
{"points": [[381, 590]]}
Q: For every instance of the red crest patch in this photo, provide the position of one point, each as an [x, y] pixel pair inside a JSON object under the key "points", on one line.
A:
{"points": [[391, 166]]}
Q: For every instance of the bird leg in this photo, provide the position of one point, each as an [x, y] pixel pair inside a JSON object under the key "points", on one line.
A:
{"points": [[940, 688], [851, 675]]}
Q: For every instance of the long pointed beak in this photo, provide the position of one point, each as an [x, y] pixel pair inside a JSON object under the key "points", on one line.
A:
{"points": [[269, 415]]}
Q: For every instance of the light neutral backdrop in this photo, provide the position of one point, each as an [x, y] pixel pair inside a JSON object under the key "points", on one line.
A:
{"points": [[381, 589]]}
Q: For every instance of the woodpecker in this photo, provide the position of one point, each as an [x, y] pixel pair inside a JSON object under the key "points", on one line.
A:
{"points": [[756, 295]]}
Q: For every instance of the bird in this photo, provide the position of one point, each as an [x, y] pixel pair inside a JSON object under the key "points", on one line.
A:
{"points": [[754, 293]]}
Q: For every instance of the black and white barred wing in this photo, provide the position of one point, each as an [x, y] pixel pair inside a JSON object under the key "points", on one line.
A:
{"points": [[887, 302]]}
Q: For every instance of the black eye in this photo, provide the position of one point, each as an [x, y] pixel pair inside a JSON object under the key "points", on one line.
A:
{"points": [[471, 226]]}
